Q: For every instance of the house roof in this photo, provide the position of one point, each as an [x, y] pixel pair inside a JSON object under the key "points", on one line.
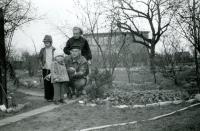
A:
{"points": [[108, 33]]}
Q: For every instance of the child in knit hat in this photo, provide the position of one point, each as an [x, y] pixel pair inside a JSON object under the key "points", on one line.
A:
{"points": [[46, 56], [59, 77]]}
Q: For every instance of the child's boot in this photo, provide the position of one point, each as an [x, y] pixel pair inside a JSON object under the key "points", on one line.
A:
{"points": [[63, 102]]}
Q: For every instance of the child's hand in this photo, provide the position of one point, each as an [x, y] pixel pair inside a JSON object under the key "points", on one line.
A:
{"points": [[89, 62], [56, 80], [48, 77]]}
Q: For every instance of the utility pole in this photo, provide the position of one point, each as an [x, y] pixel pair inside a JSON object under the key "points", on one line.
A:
{"points": [[3, 85]]}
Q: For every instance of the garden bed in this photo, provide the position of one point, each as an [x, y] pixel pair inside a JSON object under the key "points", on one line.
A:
{"points": [[145, 97]]}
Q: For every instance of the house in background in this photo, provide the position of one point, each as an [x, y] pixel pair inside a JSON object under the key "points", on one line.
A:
{"points": [[17, 64], [111, 43], [182, 56]]}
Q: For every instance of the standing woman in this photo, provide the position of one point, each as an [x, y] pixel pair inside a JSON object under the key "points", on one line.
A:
{"points": [[77, 39], [45, 59]]}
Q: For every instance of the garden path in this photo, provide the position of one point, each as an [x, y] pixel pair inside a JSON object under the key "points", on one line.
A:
{"points": [[40, 110]]}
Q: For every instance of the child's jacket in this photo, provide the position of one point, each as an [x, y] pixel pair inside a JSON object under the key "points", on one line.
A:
{"points": [[42, 56], [59, 71]]}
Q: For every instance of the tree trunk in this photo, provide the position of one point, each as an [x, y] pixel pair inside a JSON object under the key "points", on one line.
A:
{"points": [[197, 69], [3, 85], [175, 81], [129, 77], [99, 47], [152, 61]]}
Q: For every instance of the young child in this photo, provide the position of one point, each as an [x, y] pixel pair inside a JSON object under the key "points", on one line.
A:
{"points": [[45, 59], [59, 77]]}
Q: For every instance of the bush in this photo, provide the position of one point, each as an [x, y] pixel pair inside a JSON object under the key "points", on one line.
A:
{"points": [[95, 92], [98, 83], [167, 84]]}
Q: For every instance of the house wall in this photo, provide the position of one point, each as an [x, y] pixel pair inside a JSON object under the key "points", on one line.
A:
{"points": [[111, 43]]}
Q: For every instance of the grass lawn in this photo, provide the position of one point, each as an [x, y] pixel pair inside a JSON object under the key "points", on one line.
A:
{"points": [[76, 117], [101, 116], [188, 120], [144, 80], [141, 76], [137, 76]]}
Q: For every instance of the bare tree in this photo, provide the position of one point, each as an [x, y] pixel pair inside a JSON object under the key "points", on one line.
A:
{"points": [[115, 48], [131, 57], [93, 17], [90, 19], [156, 13], [128, 59], [60, 26], [16, 14], [170, 66], [30, 62], [188, 21], [34, 46]]}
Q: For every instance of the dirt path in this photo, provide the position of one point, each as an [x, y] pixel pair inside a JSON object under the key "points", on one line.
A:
{"points": [[48, 121], [34, 122], [31, 92]]}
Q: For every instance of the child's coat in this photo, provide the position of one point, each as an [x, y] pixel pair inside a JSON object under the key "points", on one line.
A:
{"points": [[59, 72]]}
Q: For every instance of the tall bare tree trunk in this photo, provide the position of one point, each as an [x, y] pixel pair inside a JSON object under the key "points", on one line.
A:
{"points": [[196, 39], [197, 69], [152, 62], [3, 86]]}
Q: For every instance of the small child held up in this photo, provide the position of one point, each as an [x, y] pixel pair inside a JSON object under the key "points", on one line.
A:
{"points": [[59, 77]]}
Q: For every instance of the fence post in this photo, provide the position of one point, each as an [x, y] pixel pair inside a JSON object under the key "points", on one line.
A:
{"points": [[3, 85]]}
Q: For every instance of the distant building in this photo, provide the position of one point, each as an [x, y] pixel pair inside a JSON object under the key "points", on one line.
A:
{"points": [[112, 42], [17, 64], [182, 56]]}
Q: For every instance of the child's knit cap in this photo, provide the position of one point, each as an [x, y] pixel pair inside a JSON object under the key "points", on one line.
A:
{"points": [[47, 38]]}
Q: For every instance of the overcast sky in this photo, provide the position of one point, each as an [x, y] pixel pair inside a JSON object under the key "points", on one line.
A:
{"points": [[57, 11], [38, 29]]}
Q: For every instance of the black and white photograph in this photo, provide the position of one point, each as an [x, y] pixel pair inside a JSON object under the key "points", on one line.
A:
{"points": [[99, 65]]}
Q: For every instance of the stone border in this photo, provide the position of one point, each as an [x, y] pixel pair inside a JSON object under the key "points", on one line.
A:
{"points": [[155, 104]]}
